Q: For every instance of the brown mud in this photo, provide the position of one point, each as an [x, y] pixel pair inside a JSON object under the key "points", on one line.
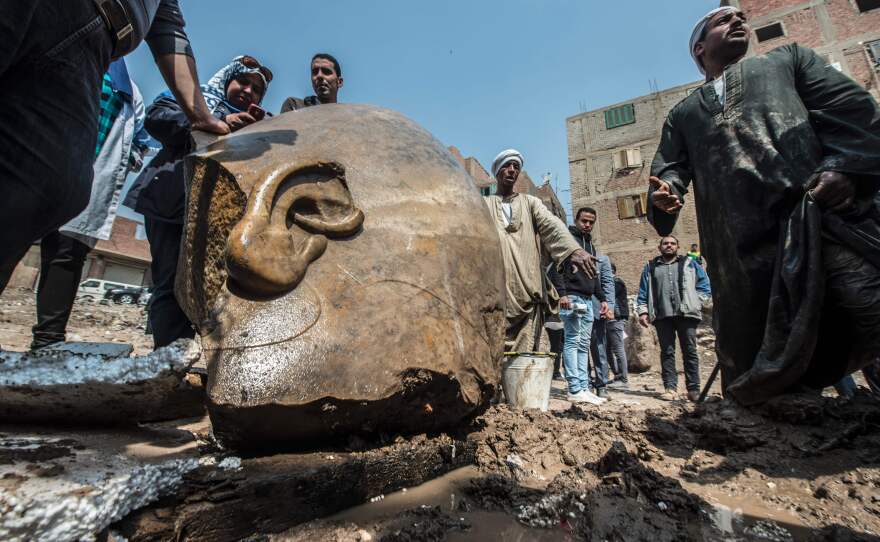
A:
{"points": [[636, 468], [681, 472], [89, 322]]}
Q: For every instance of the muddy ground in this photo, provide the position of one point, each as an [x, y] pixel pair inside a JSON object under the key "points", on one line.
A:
{"points": [[89, 322], [636, 468], [807, 468]]}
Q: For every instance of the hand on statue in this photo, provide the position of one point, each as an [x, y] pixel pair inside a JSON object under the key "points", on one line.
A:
{"points": [[643, 319], [237, 121], [209, 123], [834, 191], [584, 261], [565, 302], [663, 198]]}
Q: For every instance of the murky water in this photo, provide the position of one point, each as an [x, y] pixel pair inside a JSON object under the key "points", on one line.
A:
{"points": [[736, 518], [446, 492], [731, 519]]}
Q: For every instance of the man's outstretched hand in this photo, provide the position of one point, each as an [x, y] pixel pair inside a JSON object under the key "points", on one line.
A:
{"points": [[662, 197], [582, 259], [834, 191]]}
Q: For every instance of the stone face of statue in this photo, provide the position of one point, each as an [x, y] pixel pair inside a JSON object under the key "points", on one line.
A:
{"points": [[345, 277]]}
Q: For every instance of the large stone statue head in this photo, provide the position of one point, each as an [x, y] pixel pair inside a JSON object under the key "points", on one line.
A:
{"points": [[345, 278]]}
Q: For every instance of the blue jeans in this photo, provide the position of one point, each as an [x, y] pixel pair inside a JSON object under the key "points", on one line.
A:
{"points": [[576, 347], [846, 388]]}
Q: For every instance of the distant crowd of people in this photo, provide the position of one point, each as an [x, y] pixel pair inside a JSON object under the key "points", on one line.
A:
{"points": [[785, 153]]}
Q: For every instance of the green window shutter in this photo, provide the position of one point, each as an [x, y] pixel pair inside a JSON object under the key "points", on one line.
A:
{"points": [[620, 116]]}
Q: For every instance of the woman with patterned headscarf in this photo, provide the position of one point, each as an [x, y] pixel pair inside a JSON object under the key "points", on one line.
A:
{"points": [[233, 95]]}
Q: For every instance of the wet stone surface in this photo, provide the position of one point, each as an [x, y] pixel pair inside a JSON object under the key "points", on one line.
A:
{"points": [[333, 284]]}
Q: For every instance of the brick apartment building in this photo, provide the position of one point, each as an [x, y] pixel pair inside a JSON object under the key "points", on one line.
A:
{"points": [[122, 259], [609, 160], [610, 149], [845, 32], [524, 184]]}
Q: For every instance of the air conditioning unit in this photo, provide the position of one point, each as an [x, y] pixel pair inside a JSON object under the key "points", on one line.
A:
{"points": [[627, 158]]}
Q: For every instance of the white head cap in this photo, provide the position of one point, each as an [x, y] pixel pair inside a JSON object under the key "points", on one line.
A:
{"points": [[509, 155], [699, 28]]}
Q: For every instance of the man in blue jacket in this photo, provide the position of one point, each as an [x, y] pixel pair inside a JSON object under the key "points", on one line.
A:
{"points": [[671, 295]]}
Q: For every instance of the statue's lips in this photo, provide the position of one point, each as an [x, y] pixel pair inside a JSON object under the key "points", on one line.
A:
{"points": [[249, 324]]}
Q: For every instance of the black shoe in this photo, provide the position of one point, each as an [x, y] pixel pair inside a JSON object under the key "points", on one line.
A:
{"points": [[602, 392], [557, 376]]}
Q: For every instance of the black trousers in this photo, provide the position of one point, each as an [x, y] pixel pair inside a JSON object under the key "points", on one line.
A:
{"points": [[61, 265], [53, 56], [167, 319], [686, 329], [556, 338]]}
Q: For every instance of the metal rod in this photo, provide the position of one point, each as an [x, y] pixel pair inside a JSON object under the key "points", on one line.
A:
{"points": [[709, 382]]}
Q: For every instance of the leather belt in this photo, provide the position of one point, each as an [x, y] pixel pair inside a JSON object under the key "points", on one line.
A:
{"points": [[118, 23]]}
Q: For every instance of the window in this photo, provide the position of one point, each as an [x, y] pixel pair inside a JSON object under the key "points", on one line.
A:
{"points": [[488, 190], [632, 206], [874, 49], [769, 32], [89, 284], [867, 5], [627, 158], [111, 286], [620, 116]]}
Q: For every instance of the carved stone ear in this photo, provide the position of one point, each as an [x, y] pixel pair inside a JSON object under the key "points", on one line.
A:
{"points": [[285, 227]]}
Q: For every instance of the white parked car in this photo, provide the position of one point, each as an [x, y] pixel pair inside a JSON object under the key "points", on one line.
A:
{"points": [[94, 289]]}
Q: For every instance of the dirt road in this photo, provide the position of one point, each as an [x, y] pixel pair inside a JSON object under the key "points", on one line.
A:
{"points": [[91, 322]]}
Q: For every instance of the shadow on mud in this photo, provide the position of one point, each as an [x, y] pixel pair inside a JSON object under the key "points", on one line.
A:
{"points": [[815, 435], [618, 498]]}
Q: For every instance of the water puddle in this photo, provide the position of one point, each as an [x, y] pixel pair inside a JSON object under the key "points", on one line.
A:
{"points": [[742, 519], [446, 493]]}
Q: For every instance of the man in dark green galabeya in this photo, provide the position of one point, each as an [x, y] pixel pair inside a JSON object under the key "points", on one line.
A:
{"points": [[784, 153]]}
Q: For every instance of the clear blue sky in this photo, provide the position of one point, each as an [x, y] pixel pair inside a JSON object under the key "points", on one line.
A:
{"points": [[480, 75]]}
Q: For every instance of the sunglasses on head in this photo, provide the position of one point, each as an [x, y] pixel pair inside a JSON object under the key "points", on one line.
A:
{"points": [[252, 63]]}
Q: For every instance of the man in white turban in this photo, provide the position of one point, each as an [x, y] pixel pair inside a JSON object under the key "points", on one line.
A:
{"points": [[699, 32], [525, 225], [784, 152]]}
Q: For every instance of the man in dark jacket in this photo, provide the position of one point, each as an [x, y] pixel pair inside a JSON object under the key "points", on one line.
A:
{"points": [[159, 193], [614, 329], [326, 82], [784, 154], [671, 295], [576, 291], [53, 57], [582, 231]]}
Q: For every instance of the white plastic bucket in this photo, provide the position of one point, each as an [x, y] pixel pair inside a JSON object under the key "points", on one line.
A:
{"points": [[526, 380]]}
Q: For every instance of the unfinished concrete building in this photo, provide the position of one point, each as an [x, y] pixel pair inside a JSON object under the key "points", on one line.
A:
{"points": [[610, 149], [609, 160], [845, 32]]}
